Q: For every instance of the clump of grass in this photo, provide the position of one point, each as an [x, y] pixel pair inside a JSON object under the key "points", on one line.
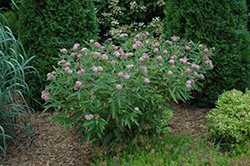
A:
{"points": [[14, 110]]}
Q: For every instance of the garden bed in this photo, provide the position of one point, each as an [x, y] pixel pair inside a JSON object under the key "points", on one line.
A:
{"points": [[55, 147]]}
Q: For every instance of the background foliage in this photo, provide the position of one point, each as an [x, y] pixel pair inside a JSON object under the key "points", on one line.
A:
{"points": [[48, 26], [221, 25]]}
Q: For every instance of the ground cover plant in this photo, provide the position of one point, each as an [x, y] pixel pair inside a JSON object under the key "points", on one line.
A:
{"points": [[14, 67], [114, 91]]}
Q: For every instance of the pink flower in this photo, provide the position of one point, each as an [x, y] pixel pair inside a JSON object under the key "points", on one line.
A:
{"points": [[206, 50], [188, 70], [92, 93], [200, 45], [146, 80], [159, 58], [63, 50], [82, 71], [174, 57], [138, 35], [189, 82], [165, 51], [188, 85], [91, 41], [156, 87], [144, 69], [118, 87], [67, 69], [141, 59], [156, 45], [170, 72], [97, 116], [126, 76], [188, 48], [84, 49], [104, 57], [136, 108], [78, 84], [100, 68], [67, 64], [171, 61], [130, 66], [79, 55], [79, 73], [156, 49], [53, 72], [173, 66], [72, 54], [120, 74], [70, 71], [56, 114], [213, 48], [201, 76]]}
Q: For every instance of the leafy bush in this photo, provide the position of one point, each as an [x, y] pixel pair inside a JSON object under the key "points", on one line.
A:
{"points": [[221, 27], [113, 91], [47, 26], [230, 119], [172, 150], [116, 17], [13, 71]]}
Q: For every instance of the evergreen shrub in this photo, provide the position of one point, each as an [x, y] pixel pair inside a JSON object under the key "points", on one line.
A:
{"points": [[219, 24], [47, 26]]}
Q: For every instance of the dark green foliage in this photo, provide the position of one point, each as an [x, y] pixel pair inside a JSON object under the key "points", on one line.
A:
{"points": [[50, 25], [219, 24], [128, 17]]}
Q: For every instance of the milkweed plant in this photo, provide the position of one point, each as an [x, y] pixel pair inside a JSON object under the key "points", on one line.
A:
{"points": [[113, 90]]}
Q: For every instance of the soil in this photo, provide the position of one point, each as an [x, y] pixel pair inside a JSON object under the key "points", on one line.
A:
{"points": [[54, 147]]}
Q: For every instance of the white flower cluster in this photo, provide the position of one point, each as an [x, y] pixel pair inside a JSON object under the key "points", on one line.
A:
{"points": [[134, 7]]}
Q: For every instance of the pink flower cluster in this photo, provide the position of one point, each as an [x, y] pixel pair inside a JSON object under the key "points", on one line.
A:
{"points": [[130, 66], [96, 69], [124, 35], [174, 38], [96, 54], [146, 80], [45, 94], [144, 69], [119, 86], [63, 50], [112, 62], [144, 56], [138, 43], [125, 75], [78, 85], [76, 46], [60, 62], [104, 57], [99, 45], [80, 72], [89, 117], [51, 76], [183, 60], [187, 48], [197, 67], [188, 84], [210, 63], [156, 45], [159, 58]]}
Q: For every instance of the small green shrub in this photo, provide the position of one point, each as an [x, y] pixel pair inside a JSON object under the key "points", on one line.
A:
{"points": [[230, 119], [47, 26], [164, 150]]}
